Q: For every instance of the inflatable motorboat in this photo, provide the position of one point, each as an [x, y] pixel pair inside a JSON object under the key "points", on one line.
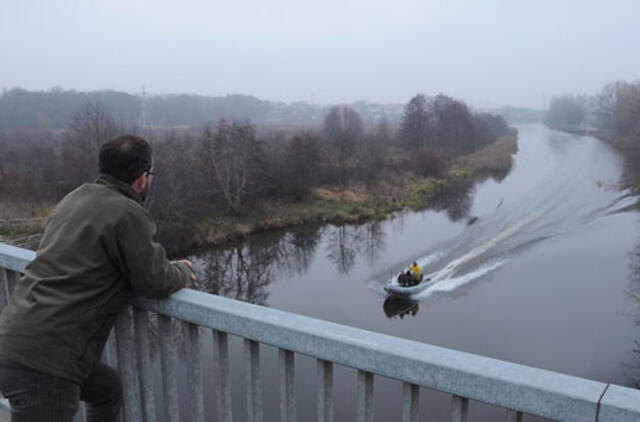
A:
{"points": [[407, 291]]}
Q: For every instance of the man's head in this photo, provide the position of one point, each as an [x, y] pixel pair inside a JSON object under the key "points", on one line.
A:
{"points": [[127, 158]]}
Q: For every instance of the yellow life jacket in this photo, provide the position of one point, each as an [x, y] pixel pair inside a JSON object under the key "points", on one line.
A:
{"points": [[416, 271]]}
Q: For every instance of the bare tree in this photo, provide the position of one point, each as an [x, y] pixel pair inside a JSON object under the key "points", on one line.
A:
{"points": [[618, 106], [343, 130], [453, 125], [566, 112], [301, 166], [3, 177], [235, 158], [92, 126], [416, 125], [371, 158]]}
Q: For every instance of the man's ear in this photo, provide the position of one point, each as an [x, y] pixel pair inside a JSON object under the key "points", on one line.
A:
{"points": [[140, 183]]}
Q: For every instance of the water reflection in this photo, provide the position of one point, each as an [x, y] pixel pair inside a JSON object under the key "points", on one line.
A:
{"points": [[398, 307], [456, 201], [347, 241], [245, 270]]}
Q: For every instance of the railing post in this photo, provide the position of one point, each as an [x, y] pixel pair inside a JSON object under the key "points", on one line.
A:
{"points": [[287, 386], [459, 409], [514, 416], [221, 348], [5, 287], [194, 374], [254, 380], [410, 402], [128, 367], [110, 358], [325, 391], [365, 397], [144, 363], [12, 280], [81, 414], [168, 365]]}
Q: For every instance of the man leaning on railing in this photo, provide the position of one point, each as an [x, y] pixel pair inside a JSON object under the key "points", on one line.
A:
{"points": [[96, 251]]}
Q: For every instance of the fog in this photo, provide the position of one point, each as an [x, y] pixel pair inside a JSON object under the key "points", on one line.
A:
{"points": [[489, 53]]}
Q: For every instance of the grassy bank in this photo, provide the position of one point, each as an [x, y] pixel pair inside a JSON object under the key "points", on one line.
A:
{"points": [[22, 223], [357, 203]]}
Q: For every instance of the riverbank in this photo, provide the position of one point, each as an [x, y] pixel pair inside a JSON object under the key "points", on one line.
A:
{"points": [[630, 149], [326, 205], [626, 146], [331, 205]]}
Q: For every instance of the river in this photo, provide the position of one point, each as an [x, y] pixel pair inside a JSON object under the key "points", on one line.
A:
{"points": [[543, 276]]}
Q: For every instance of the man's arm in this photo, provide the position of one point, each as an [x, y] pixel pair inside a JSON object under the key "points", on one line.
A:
{"points": [[145, 262]]}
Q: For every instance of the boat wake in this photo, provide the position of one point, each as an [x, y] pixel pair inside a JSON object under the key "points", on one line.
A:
{"points": [[450, 269], [450, 284], [556, 200]]}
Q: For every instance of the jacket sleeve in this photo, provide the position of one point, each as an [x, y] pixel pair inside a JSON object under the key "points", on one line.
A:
{"points": [[144, 262]]}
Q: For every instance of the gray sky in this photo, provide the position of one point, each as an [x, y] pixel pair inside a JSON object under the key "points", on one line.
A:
{"points": [[489, 53]]}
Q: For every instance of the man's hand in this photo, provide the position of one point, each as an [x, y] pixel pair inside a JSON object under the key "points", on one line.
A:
{"points": [[190, 265]]}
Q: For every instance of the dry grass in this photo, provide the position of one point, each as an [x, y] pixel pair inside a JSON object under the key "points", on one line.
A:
{"points": [[11, 210], [494, 157]]}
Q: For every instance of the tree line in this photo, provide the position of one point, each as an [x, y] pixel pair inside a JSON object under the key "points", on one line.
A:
{"points": [[23, 112], [226, 168], [614, 113]]}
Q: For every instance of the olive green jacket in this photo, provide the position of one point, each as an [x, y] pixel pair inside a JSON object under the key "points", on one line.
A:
{"points": [[97, 249]]}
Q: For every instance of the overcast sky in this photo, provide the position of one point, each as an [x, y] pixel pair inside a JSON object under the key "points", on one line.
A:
{"points": [[489, 53]]}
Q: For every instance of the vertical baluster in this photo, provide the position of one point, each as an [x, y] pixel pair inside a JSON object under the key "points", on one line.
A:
{"points": [[365, 396], [194, 374], [325, 391], [12, 279], [287, 386], [514, 416], [128, 367], [109, 356], [410, 402], [221, 348], [144, 363], [253, 380], [169, 372], [5, 287], [459, 409], [81, 414]]}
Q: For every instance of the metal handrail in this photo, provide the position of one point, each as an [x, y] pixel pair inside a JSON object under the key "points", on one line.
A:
{"points": [[518, 388]]}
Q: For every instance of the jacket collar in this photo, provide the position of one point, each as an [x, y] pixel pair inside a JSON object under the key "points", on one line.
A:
{"points": [[120, 186]]}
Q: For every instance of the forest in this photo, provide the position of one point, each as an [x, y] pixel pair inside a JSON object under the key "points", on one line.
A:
{"points": [[227, 169], [613, 114]]}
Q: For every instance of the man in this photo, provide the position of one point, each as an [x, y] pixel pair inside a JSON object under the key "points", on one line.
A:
{"points": [[96, 251], [415, 273]]}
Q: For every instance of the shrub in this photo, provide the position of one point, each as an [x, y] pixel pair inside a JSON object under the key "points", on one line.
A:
{"points": [[427, 164]]}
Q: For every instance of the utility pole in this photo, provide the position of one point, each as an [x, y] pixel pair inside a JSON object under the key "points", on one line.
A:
{"points": [[144, 119]]}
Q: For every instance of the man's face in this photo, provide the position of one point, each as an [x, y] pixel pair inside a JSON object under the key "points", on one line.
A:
{"points": [[148, 176]]}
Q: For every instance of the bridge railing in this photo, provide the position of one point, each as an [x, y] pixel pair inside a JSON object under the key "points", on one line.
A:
{"points": [[518, 389]]}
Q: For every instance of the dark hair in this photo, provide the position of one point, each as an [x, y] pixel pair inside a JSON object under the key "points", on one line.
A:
{"points": [[125, 158]]}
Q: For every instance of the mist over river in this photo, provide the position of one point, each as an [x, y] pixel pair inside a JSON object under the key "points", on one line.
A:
{"points": [[543, 276]]}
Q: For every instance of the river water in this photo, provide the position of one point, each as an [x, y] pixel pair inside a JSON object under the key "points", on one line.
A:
{"points": [[538, 268]]}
